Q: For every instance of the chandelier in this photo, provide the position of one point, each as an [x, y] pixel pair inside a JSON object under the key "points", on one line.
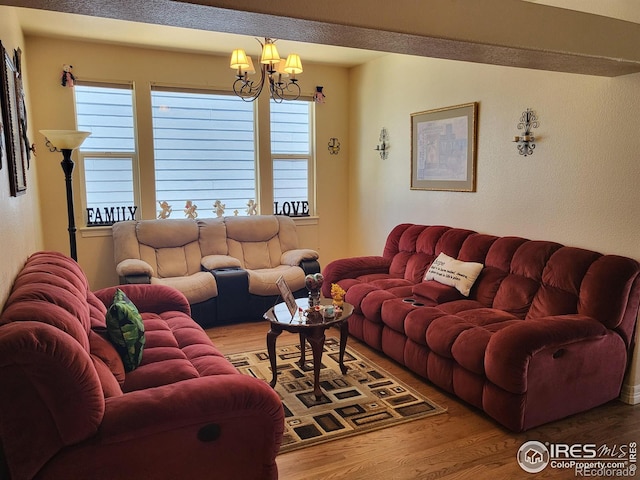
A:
{"points": [[281, 74]]}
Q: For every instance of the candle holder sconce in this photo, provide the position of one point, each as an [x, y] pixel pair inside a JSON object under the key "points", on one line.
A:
{"points": [[333, 146], [528, 120], [383, 146]]}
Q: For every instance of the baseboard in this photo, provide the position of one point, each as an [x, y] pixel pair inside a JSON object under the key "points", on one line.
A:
{"points": [[630, 394]]}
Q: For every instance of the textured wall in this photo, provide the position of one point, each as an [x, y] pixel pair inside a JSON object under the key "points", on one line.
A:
{"points": [[19, 216], [580, 187]]}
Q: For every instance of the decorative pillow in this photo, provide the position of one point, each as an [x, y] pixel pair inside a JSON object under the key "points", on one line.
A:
{"points": [[126, 330], [455, 273]]}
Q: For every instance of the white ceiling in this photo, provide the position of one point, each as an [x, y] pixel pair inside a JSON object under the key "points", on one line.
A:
{"points": [[628, 10]]}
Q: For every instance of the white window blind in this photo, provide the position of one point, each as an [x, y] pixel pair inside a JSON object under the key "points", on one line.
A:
{"points": [[108, 155], [204, 149], [291, 155]]}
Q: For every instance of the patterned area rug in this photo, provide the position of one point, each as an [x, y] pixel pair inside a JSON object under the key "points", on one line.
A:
{"points": [[366, 398]]}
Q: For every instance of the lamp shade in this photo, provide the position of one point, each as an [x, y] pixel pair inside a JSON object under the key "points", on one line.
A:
{"points": [[65, 139], [269, 53], [294, 64], [239, 59]]}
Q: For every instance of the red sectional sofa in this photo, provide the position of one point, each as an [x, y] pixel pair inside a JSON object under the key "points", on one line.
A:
{"points": [[68, 409], [546, 331]]}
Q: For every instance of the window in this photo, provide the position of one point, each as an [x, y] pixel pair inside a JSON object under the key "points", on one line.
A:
{"points": [[204, 154], [108, 155], [204, 146], [291, 154]]}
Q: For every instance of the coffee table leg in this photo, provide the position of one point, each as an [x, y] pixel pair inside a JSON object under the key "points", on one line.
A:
{"points": [[271, 349], [316, 339], [303, 349], [344, 334]]}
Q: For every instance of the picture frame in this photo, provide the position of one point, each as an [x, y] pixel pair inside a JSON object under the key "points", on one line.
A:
{"points": [[3, 150], [22, 108], [14, 144], [287, 296], [443, 148]]}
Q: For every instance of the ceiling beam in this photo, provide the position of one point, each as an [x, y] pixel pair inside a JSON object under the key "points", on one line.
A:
{"points": [[499, 32]]}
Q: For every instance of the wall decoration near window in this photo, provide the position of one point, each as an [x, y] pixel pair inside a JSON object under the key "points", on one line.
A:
{"points": [[443, 148], [15, 147], [334, 146], [528, 121], [383, 146]]}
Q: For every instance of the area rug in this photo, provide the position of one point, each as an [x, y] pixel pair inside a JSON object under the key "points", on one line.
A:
{"points": [[367, 398]]}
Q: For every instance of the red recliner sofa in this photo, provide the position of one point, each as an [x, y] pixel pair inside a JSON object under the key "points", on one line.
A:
{"points": [[545, 332], [68, 410]]}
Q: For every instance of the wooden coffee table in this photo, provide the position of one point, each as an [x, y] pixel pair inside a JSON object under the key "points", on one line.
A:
{"points": [[311, 330]]}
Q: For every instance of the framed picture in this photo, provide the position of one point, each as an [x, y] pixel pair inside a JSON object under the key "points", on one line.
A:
{"points": [[3, 150], [22, 108], [11, 120], [287, 296], [443, 148]]}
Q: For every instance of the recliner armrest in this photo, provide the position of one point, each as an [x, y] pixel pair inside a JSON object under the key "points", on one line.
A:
{"points": [[310, 266], [134, 267], [213, 262], [148, 298], [352, 267], [295, 257]]}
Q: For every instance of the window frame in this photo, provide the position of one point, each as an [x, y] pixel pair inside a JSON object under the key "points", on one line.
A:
{"points": [[208, 91], [262, 153], [134, 155], [311, 158]]}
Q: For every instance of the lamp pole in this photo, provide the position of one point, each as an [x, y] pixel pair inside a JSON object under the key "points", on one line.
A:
{"points": [[66, 141], [67, 167]]}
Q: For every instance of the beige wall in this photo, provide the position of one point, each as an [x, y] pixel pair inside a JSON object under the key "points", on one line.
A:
{"points": [[580, 187], [143, 67], [19, 216]]}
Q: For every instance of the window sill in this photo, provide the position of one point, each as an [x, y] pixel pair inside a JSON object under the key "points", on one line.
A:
{"points": [[90, 232]]}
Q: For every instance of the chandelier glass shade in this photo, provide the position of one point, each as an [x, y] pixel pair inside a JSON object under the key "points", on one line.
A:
{"points": [[280, 74]]}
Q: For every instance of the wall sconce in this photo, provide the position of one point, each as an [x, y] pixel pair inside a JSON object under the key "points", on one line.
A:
{"points": [[383, 146], [528, 120], [66, 141], [333, 146]]}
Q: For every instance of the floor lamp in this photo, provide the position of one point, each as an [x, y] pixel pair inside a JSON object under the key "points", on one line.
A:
{"points": [[66, 141]]}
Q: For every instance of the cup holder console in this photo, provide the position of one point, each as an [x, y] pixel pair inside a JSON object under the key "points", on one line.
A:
{"points": [[413, 302]]}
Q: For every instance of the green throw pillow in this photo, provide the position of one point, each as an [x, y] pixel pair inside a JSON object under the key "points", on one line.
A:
{"points": [[126, 330]]}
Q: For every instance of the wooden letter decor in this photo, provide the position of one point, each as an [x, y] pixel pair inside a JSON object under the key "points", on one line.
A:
{"points": [[292, 209], [109, 215]]}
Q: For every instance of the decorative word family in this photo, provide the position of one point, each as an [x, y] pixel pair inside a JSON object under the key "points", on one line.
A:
{"points": [[110, 215]]}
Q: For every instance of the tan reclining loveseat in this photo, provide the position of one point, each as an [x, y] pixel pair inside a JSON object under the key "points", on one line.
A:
{"points": [[227, 267]]}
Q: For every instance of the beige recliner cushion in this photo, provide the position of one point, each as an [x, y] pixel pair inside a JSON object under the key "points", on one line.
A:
{"points": [[254, 241], [197, 288], [169, 251], [213, 236], [171, 247]]}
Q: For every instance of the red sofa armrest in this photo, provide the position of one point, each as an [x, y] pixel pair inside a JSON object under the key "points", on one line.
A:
{"points": [[225, 426], [510, 351], [148, 298], [352, 267]]}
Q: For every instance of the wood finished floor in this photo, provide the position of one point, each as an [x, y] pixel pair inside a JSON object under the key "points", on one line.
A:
{"points": [[460, 444]]}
